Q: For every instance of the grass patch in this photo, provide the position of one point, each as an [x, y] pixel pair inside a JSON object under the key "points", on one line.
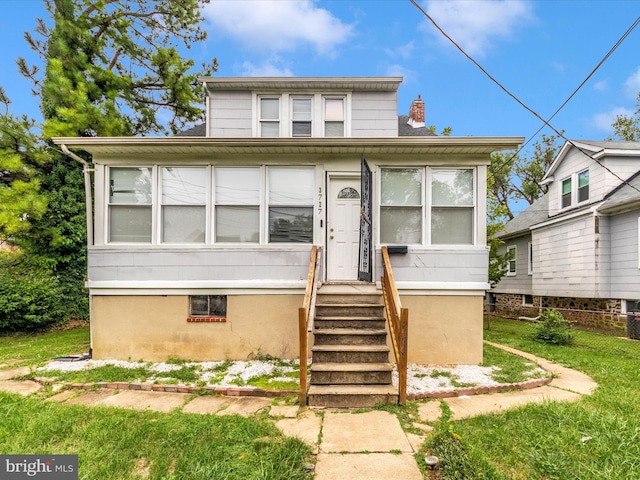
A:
{"points": [[33, 349], [595, 437], [512, 368]]}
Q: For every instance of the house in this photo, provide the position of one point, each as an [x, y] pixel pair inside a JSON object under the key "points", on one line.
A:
{"points": [[576, 248], [201, 242]]}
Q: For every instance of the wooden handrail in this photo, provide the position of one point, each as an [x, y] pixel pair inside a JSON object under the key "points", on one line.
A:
{"points": [[398, 323], [305, 317]]}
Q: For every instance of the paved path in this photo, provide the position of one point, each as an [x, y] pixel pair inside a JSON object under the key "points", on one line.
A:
{"points": [[348, 444]]}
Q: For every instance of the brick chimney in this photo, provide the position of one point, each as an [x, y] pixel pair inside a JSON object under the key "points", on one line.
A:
{"points": [[416, 113]]}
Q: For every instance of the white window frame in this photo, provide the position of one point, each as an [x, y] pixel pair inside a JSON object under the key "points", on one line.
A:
{"points": [[578, 201], [422, 205], [344, 114], [530, 258], [513, 259], [473, 206], [260, 120], [292, 120], [524, 300], [571, 201]]}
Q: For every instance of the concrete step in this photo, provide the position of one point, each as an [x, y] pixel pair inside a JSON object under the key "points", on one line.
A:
{"points": [[349, 336], [350, 310], [359, 298], [350, 354], [375, 322], [351, 396], [351, 373]]}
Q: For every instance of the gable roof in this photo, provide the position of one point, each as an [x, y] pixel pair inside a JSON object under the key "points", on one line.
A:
{"points": [[537, 212], [404, 130]]}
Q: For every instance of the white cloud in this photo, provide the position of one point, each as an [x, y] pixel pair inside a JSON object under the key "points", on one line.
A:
{"points": [[277, 25], [632, 84], [403, 51], [400, 71], [601, 86], [475, 25], [266, 69], [603, 121]]}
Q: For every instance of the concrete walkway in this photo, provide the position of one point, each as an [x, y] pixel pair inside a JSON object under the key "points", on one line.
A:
{"points": [[357, 445]]}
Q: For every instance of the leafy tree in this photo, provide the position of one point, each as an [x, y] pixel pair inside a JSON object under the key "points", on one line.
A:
{"points": [[111, 68], [628, 128]]}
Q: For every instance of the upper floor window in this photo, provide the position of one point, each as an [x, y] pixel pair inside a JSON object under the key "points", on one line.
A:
{"points": [[269, 114], [511, 259], [130, 205], [452, 210], [401, 205], [184, 200], [583, 186], [566, 193], [301, 116], [334, 117]]}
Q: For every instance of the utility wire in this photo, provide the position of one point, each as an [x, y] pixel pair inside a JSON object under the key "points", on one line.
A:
{"points": [[526, 107]]}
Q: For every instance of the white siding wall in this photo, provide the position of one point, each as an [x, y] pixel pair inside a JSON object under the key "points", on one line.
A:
{"points": [[374, 114], [230, 114], [623, 167], [565, 259], [574, 162], [520, 282], [603, 257], [625, 275]]}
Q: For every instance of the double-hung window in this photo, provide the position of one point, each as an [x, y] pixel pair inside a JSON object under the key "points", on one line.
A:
{"points": [[511, 259], [237, 204], [566, 193], [269, 114], [452, 206], [583, 186], [401, 205], [291, 204], [184, 199], [130, 204], [301, 115], [334, 115]]}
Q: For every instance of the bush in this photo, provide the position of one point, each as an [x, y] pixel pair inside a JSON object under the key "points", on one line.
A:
{"points": [[30, 299], [553, 329]]}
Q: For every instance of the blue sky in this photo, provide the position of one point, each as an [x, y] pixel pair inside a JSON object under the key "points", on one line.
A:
{"points": [[539, 50]]}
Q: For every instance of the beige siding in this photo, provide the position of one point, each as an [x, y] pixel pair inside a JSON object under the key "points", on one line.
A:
{"points": [[374, 114], [230, 114]]}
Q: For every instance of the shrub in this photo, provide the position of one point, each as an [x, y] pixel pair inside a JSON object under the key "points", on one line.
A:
{"points": [[553, 329], [30, 299]]}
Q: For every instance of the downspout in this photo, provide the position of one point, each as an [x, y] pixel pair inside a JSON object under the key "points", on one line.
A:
{"points": [[86, 170]]}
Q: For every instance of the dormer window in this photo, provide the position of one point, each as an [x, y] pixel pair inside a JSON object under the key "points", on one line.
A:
{"points": [[269, 116], [301, 116], [566, 193], [334, 117], [583, 186]]}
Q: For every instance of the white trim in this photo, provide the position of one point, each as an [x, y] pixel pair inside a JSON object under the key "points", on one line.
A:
{"points": [[564, 218], [441, 288], [530, 258], [161, 285], [514, 259]]}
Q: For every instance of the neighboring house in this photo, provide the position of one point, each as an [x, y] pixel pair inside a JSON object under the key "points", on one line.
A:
{"points": [[201, 242], [576, 248]]}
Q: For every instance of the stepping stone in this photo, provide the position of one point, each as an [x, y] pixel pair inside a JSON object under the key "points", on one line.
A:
{"points": [[22, 387], [63, 396], [363, 432], [331, 466], [90, 398], [139, 400], [286, 411], [306, 427], [14, 372], [245, 407], [206, 405]]}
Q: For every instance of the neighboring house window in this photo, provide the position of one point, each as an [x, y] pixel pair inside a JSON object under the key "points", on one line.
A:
{"points": [[334, 114], [184, 199], [527, 300], [401, 205], [530, 259], [566, 193], [269, 116], [130, 205], [237, 209], [208, 305], [583, 186], [631, 306], [290, 197], [511, 255], [452, 210], [301, 116]]}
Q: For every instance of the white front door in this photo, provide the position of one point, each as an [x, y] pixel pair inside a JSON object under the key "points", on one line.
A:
{"points": [[343, 228]]}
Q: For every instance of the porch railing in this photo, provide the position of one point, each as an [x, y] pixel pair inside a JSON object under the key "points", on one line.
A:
{"points": [[398, 318], [306, 316]]}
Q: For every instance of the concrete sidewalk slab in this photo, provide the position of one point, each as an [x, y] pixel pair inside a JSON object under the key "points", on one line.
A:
{"points": [[305, 427], [14, 372], [90, 398], [245, 406], [139, 400], [465, 407], [63, 396], [206, 405], [374, 466], [430, 411], [286, 411], [22, 387], [363, 432]]}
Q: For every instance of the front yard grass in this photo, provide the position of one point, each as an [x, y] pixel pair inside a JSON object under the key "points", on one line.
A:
{"points": [[596, 437]]}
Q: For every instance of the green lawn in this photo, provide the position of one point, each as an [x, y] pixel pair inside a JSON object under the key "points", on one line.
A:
{"points": [[595, 438]]}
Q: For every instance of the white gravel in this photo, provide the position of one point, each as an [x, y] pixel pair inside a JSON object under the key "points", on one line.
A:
{"points": [[420, 378]]}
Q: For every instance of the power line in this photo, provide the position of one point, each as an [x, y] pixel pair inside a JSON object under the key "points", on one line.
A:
{"points": [[520, 102]]}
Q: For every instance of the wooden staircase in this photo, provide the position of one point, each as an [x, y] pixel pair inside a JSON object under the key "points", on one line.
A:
{"points": [[350, 357]]}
